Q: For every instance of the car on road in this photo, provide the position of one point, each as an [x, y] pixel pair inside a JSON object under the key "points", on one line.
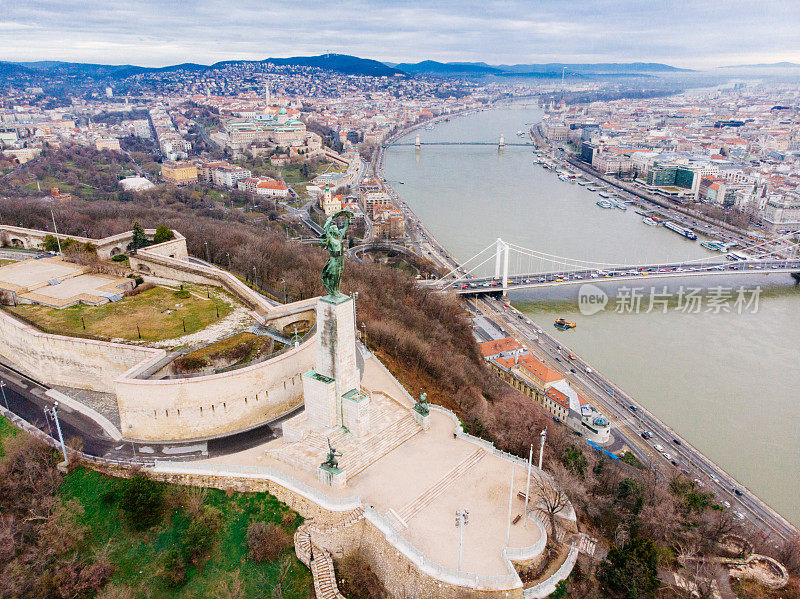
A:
{"points": [[658, 447], [646, 434], [737, 492], [714, 478], [666, 455], [726, 503], [633, 408], [739, 515], [573, 370], [677, 442]]}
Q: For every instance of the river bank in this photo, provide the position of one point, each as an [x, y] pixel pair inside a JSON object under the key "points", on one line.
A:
{"points": [[467, 197]]}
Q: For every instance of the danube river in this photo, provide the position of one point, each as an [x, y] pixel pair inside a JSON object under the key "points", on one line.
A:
{"points": [[728, 382]]}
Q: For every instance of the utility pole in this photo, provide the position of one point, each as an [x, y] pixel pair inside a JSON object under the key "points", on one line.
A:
{"points": [[133, 447], [510, 499], [528, 483], [283, 280], [355, 298], [462, 519], [54, 413], [543, 436], [55, 230]]}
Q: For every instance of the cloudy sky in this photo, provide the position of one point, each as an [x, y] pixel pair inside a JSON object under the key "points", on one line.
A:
{"points": [[684, 33]]}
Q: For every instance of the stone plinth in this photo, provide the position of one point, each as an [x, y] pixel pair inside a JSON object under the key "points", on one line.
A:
{"points": [[320, 397], [333, 477], [332, 391], [356, 413], [424, 420], [336, 347]]}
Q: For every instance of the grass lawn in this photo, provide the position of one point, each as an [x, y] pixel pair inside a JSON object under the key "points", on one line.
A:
{"points": [[237, 349], [160, 314], [4, 262], [138, 557]]}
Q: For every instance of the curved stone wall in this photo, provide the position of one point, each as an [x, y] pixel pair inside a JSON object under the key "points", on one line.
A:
{"points": [[215, 404]]}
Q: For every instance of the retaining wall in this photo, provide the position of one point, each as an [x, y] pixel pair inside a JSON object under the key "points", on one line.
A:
{"points": [[196, 407], [69, 361]]}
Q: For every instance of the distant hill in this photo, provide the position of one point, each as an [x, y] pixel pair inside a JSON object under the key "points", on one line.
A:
{"points": [[352, 65], [432, 67], [448, 68], [339, 63], [594, 68], [12, 68], [102, 70], [772, 65]]}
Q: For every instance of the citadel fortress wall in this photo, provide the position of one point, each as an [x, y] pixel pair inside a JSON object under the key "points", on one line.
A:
{"points": [[161, 409]]}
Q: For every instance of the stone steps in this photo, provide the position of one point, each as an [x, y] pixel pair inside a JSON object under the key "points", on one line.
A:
{"points": [[439, 487], [324, 576], [381, 444]]}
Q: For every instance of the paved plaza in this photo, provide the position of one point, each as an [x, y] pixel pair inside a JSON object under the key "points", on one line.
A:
{"points": [[420, 484], [56, 283]]}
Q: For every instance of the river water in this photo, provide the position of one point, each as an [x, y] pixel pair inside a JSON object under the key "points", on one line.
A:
{"points": [[729, 382]]}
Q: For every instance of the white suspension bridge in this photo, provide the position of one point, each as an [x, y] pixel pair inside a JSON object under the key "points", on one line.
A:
{"points": [[532, 268]]}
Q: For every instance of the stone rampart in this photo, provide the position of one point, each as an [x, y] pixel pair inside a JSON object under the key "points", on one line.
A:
{"points": [[31, 239], [69, 361], [214, 404]]}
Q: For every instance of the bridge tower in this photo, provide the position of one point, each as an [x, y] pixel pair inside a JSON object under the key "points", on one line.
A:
{"points": [[502, 143], [501, 263], [416, 142]]}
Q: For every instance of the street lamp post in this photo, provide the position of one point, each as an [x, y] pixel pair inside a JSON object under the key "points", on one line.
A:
{"points": [[54, 414], [3, 389], [543, 436], [364, 329], [283, 280], [355, 298], [462, 519], [133, 447]]}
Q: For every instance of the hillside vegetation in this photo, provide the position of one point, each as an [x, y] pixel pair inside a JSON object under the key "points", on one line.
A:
{"points": [[84, 534]]}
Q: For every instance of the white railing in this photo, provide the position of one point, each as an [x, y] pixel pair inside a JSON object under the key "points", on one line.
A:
{"points": [[437, 571], [544, 588], [333, 504]]}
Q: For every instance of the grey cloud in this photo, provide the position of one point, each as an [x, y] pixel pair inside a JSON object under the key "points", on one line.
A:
{"points": [[681, 32]]}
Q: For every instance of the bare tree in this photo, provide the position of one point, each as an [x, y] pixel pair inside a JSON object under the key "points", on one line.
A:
{"points": [[551, 497]]}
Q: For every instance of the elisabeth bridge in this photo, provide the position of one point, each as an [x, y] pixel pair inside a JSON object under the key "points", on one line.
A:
{"points": [[516, 267]]}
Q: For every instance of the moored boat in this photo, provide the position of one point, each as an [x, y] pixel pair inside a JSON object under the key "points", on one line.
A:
{"points": [[563, 325]]}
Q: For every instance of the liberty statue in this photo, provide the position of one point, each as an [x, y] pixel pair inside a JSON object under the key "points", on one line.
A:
{"points": [[334, 243]]}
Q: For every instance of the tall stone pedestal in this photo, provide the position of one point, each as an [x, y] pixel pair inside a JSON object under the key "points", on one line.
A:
{"points": [[332, 390]]}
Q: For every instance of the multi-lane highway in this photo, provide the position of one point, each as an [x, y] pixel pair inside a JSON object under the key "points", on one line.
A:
{"points": [[630, 420]]}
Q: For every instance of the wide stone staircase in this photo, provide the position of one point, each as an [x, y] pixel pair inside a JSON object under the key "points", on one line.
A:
{"points": [[379, 445], [430, 494], [357, 453]]}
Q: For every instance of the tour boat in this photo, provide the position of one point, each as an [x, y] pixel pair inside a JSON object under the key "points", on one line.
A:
{"points": [[685, 232], [604, 204], [649, 221], [563, 325]]}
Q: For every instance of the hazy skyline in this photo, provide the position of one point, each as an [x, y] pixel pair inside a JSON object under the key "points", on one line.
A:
{"points": [[683, 33]]}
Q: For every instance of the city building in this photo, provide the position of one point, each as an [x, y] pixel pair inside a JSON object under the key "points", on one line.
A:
{"points": [[179, 172]]}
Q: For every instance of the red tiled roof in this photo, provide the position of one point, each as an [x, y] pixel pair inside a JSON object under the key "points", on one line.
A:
{"points": [[539, 370], [492, 348]]}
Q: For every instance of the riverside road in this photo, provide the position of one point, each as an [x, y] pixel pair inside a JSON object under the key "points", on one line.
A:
{"points": [[628, 417]]}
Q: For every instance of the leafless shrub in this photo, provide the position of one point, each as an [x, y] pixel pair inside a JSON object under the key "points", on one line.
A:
{"points": [[266, 541]]}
